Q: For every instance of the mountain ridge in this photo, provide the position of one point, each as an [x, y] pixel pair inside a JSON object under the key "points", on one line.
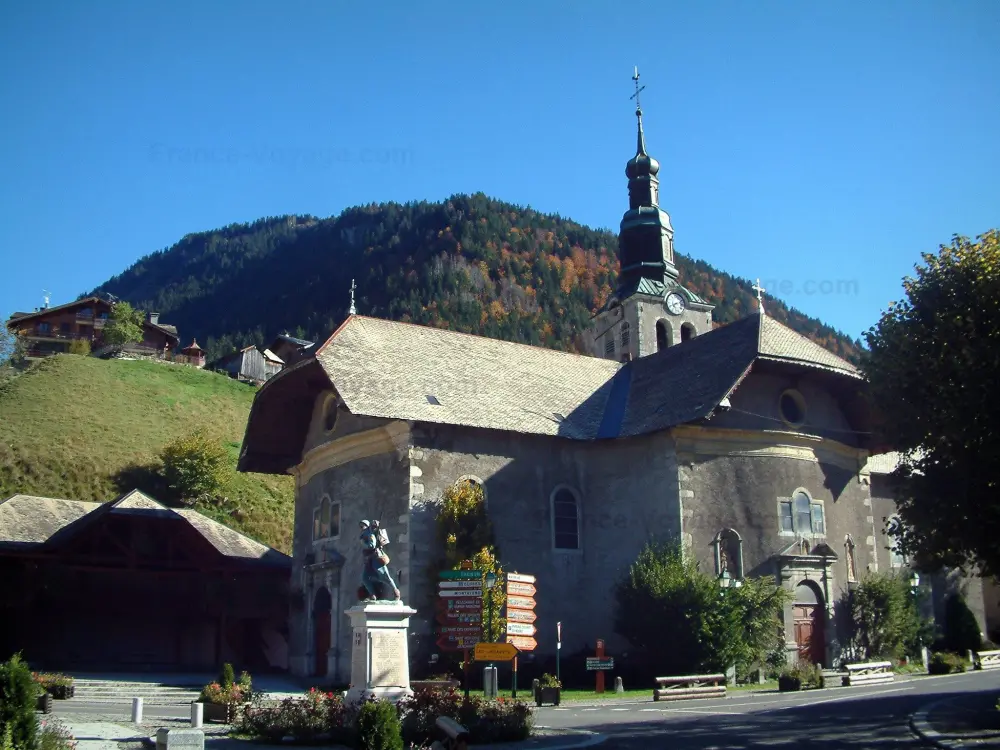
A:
{"points": [[470, 263]]}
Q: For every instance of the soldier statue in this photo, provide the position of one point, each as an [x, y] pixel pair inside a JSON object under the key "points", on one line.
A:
{"points": [[375, 577]]}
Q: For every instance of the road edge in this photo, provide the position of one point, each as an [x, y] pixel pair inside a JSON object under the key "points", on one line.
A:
{"points": [[592, 738], [923, 729]]}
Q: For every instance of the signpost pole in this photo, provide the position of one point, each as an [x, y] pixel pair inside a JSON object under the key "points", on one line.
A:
{"points": [[465, 656], [600, 672], [513, 680]]}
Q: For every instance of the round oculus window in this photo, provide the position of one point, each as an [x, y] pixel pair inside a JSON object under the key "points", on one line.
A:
{"points": [[792, 407]]}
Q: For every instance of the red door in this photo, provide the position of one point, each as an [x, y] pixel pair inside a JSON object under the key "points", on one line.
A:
{"points": [[809, 636]]}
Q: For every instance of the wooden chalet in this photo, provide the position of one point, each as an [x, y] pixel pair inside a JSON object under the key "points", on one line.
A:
{"points": [[250, 364], [134, 585], [290, 349], [50, 330]]}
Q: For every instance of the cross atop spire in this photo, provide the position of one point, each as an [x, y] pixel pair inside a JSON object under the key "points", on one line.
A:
{"points": [[353, 310], [760, 296], [638, 88]]}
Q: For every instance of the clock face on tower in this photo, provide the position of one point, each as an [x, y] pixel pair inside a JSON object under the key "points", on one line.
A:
{"points": [[675, 303]]}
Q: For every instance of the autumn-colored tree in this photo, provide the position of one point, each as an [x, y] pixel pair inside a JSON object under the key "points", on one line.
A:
{"points": [[932, 363], [465, 533]]}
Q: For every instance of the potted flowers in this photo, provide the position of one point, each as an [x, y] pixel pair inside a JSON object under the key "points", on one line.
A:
{"points": [[221, 698], [547, 690]]}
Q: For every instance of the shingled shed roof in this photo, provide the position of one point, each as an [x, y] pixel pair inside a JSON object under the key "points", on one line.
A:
{"points": [[383, 368], [400, 371], [28, 521]]}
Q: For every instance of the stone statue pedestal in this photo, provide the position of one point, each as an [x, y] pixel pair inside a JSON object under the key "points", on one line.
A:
{"points": [[380, 659]]}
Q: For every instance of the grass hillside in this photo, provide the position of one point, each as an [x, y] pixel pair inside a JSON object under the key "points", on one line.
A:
{"points": [[82, 428]]}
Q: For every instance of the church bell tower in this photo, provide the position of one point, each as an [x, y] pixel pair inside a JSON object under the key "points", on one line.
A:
{"points": [[650, 310]]}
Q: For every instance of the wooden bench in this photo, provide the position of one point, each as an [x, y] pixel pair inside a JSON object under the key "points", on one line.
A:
{"points": [[690, 686], [988, 660], [869, 673]]}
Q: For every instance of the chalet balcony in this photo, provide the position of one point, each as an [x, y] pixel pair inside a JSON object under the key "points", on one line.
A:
{"points": [[85, 317], [38, 333]]}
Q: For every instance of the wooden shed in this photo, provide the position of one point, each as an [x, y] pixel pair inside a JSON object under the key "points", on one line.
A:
{"points": [[250, 364]]}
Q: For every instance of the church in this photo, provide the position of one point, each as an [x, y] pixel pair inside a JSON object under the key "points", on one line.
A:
{"points": [[749, 444]]}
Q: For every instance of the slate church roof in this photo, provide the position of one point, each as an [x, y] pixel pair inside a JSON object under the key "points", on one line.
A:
{"points": [[383, 368], [27, 522]]}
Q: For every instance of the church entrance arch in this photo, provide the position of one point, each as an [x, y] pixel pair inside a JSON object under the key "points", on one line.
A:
{"points": [[321, 620], [809, 620]]}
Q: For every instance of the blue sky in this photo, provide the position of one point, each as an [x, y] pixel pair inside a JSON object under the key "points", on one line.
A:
{"points": [[821, 146]]}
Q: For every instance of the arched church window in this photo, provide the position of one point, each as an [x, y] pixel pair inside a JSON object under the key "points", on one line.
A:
{"points": [[626, 335], [565, 519], [687, 332], [326, 519], [852, 565], [802, 515], [729, 554], [792, 407], [662, 335]]}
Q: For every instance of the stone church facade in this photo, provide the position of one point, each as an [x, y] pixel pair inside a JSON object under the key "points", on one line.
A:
{"points": [[748, 444]]}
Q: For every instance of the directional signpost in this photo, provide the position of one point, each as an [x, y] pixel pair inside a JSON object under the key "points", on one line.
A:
{"points": [[460, 612], [520, 617], [494, 652], [599, 664]]}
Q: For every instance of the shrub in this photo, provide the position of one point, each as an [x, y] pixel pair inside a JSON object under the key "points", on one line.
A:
{"points": [[235, 692], [803, 674], [884, 618], [378, 727], [549, 681], [420, 710], [941, 662], [961, 631], [687, 627], [79, 346], [55, 736], [318, 716], [195, 465], [18, 697]]}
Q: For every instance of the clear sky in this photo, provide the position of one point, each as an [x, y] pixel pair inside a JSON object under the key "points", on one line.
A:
{"points": [[820, 146]]}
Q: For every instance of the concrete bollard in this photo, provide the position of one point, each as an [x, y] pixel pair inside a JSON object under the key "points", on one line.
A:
{"points": [[619, 687], [197, 714], [137, 710]]}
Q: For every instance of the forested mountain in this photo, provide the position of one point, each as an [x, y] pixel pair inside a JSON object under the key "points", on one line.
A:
{"points": [[468, 263]]}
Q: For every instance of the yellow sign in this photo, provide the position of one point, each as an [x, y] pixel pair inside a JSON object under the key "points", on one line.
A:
{"points": [[495, 651]]}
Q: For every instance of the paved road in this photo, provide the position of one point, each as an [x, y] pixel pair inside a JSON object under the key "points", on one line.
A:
{"points": [[843, 718]]}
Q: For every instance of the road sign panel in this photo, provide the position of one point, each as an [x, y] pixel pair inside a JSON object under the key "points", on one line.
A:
{"points": [[461, 629], [456, 584], [521, 615], [460, 574], [600, 663], [519, 578], [463, 605], [520, 602], [453, 617], [460, 593], [520, 628], [495, 651], [457, 642], [523, 642], [521, 589]]}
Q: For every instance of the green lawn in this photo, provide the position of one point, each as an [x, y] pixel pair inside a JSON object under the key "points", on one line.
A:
{"points": [[71, 425]]}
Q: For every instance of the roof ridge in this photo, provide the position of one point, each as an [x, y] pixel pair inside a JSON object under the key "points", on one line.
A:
{"points": [[448, 331]]}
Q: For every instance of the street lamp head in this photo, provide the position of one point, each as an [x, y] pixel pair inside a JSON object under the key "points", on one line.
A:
{"points": [[491, 579], [724, 579]]}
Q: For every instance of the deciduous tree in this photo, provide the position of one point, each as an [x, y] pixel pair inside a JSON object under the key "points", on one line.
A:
{"points": [[932, 363], [196, 465], [124, 326]]}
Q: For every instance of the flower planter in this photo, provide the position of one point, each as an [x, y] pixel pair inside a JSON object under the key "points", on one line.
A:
{"points": [[547, 695], [218, 713], [44, 703], [61, 692]]}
